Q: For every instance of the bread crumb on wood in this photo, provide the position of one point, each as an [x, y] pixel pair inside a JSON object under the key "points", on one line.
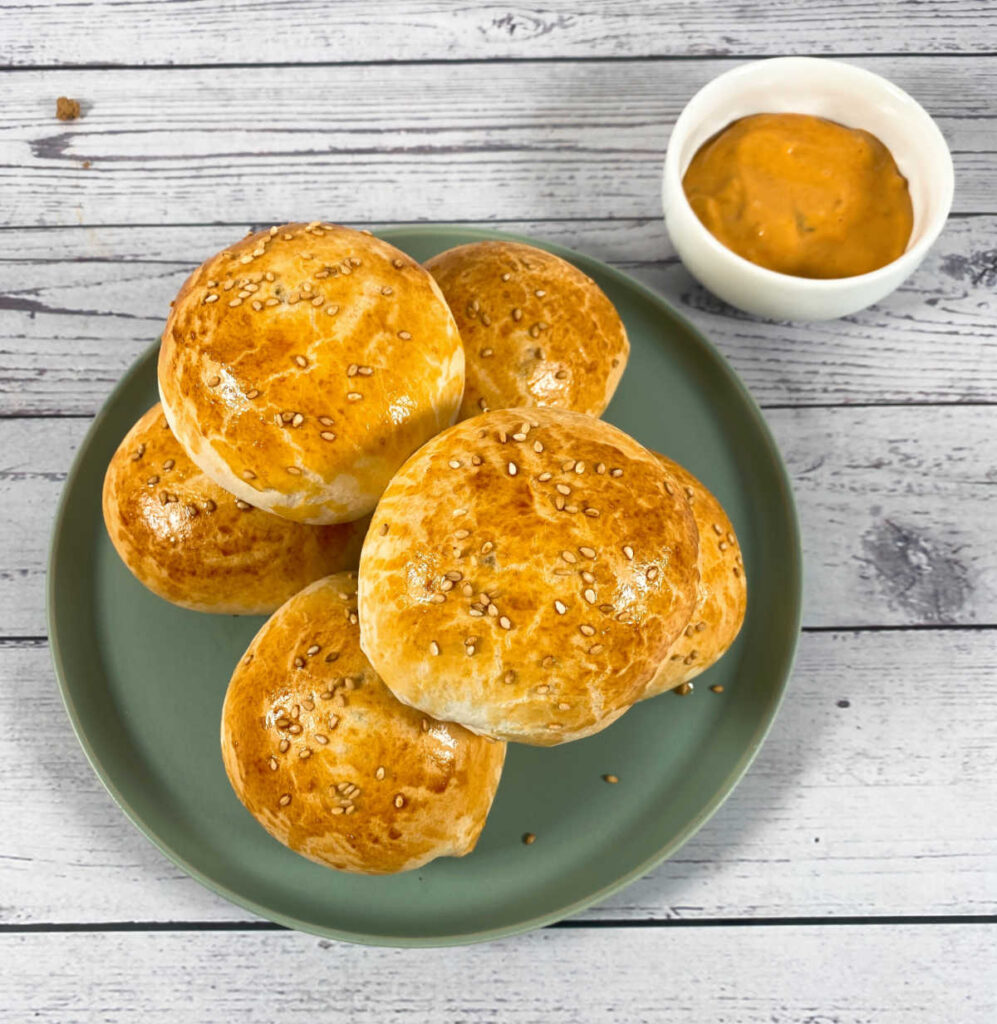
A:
{"points": [[67, 109]]}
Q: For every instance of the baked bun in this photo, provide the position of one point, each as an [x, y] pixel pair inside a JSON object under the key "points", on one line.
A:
{"points": [[536, 330], [334, 767], [723, 590], [525, 573], [302, 366], [196, 545]]}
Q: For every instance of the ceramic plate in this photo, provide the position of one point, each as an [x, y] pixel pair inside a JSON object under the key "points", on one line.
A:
{"points": [[143, 682]]}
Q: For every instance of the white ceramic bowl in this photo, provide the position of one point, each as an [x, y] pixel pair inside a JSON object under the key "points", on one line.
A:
{"points": [[839, 92]]}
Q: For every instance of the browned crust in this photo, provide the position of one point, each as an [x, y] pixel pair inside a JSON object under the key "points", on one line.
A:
{"points": [[589, 587], [723, 590], [536, 330], [331, 764], [301, 366], [196, 545]]}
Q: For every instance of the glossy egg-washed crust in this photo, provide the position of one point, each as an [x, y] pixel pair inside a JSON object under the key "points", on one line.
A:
{"points": [[196, 545], [536, 330], [723, 590], [525, 573], [331, 764], [302, 366]]}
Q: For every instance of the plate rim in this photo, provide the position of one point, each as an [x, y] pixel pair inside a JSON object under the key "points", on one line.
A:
{"points": [[793, 577]]}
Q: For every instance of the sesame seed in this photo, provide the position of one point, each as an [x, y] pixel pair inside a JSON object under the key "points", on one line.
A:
{"points": [[544, 477], [717, 688], [297, 420], [469, 650], [586, 630], [592, 513], [539, 293], [509, 677], [559, 503], [513, 470], [211, 298], [325, 421], [332, 309], [595, 649], [243, 505], [689, 492], [254, 393], [616, 472], [387, 290], [563, 706], [652, 573], [209, 506], [354, 396], [461, 534], [434, 648], [563, 489], [589, 595], [611, 779], [351, 370], [283, 746], [248, 474], [399, 800], [628, 551], [327, 435], [529, 838], [731, 538], [235, 302], [152, 480], [487, 547], [505, 623], [588, 577], [301, 361], [538, 447], [404, 335], [560, 607], [366, 371], [587, 552], [517, 315], [313, 650], [546, 663], [305, 754], [684, 690], [169, 464], [284, 800], [454, 463], [722, 545], [506, 276]]}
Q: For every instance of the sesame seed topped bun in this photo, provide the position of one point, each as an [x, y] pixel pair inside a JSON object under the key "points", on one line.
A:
{"points": [[723, 590], [331, 764], [525, 573], [536, 330], [200, 547], [301, 366]]}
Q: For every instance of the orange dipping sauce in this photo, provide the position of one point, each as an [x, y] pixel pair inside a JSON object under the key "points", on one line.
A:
{"points": [[801, 195]]}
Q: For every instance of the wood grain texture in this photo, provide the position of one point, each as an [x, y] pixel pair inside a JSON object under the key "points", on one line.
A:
{"points": [[396, 142], [875, 794], [232, 31], [897, 506], [791, 975], [78, 305]]}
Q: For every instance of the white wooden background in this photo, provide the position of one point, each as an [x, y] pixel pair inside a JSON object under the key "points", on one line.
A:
{"points": [[852, 877]]}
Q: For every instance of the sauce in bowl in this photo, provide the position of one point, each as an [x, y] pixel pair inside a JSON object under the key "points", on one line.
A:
{"points": [[801, 195]]}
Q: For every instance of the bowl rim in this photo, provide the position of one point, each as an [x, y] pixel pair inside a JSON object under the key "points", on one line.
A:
{"points": [[905, 263], [792, 575]]}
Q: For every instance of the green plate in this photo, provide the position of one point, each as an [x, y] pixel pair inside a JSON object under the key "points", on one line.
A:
{"points": [[143, 682]]}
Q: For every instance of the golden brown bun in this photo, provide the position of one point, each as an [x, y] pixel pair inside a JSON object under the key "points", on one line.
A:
{"points": [[196, 545], [723, 590], [302, 366], [489, 597], [334, 767], [536, 330]]}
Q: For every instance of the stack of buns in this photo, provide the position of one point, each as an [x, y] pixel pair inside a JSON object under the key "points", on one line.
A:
{"points": [[438, 589]]}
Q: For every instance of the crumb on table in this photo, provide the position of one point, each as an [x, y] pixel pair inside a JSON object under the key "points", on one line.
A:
{"points": [[67, 109]]}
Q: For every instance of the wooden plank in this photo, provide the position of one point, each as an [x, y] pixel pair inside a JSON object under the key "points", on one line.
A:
{"points": [[790, 975], [396, 142], [240, 31], [897, 506], [77, 306], [868, 809]]}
